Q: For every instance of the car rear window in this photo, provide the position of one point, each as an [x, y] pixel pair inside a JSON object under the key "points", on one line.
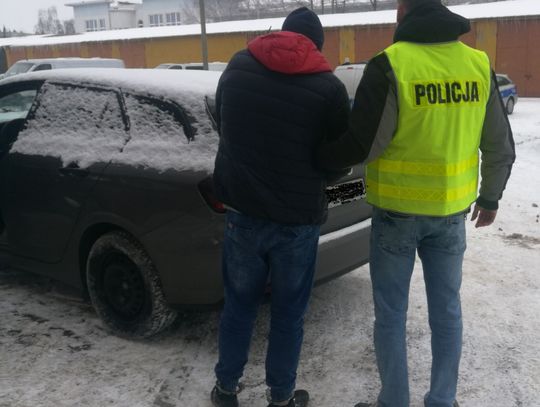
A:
{"points": [[78, 124], [43, 67], [159, 133], [502, 81]]}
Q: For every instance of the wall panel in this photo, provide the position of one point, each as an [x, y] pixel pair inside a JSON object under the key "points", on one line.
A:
{"points": [[370, 40], [512, 53]]}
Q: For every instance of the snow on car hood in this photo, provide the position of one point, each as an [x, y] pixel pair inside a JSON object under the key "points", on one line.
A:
{"points": [[165, 147]]}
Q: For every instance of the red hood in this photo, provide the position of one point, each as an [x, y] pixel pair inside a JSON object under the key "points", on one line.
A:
{"points": [[288, 52]]}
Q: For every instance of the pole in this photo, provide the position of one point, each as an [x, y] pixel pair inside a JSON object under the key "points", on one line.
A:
{"points": [[204, 40]]}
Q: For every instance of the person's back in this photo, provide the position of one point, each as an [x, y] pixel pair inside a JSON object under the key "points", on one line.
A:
{"points": [[275, 103]]}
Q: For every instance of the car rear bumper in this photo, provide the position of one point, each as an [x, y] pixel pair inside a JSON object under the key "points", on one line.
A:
{"points": [[193, 277], [342, 251]]}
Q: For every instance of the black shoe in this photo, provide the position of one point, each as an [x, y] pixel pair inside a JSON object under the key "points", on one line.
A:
{"points": [[366, 405], [300, 399], [221, 399]]}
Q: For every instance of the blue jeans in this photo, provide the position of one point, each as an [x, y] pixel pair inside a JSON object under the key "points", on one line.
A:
{"points": [[440, 242], [255, 252]]}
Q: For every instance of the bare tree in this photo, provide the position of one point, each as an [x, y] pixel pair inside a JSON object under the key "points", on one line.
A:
{"points": [[373, 4], [216, 10], [48, 22]]}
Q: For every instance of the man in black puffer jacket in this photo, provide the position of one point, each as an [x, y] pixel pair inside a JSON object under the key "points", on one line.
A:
{"points": [[276, 101]]}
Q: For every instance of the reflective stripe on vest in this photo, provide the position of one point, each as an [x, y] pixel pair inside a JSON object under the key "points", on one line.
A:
{"points": [[431, 165]]}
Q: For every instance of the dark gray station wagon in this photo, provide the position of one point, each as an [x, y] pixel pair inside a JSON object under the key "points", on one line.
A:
{"points": [[105, 184]]}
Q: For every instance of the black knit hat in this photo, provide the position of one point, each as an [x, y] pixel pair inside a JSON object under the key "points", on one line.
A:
{"points": [[304, 21]]}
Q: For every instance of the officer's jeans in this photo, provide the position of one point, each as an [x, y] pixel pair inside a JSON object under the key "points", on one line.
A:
{"points": [[256, 250], [440, 243]]}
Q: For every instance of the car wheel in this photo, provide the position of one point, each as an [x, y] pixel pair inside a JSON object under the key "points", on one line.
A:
{"points": [[510, 106], [125, 288]]}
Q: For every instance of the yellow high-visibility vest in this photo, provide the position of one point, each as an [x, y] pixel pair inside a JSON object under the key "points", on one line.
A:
{"points": [[431, 165]]}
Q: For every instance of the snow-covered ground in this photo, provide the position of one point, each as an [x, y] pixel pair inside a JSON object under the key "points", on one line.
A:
{"points": [[54, 351]]}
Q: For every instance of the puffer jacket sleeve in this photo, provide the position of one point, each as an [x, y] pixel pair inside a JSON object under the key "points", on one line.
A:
{"points": [[338, 109], [338, 112]]}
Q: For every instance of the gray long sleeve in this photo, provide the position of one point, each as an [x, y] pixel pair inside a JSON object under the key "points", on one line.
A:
{"points": [[498, 151]]}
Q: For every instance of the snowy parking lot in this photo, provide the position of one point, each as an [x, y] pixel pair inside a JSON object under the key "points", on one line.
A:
{"points": [[54, 351]]}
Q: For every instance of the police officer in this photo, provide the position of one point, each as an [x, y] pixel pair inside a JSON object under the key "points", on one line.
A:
{"points": [[423, 110]]}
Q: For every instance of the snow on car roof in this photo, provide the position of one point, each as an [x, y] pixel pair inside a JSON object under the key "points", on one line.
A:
{"points": [[509, 8], [156, 139], [168, 83]]}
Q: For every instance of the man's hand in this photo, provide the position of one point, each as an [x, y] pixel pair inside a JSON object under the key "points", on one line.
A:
{"points": [[485, 216]]}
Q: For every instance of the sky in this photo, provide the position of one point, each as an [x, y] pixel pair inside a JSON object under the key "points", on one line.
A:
{"points": [[23, 14]]}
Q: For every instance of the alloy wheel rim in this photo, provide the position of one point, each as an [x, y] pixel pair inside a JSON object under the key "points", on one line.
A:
{"points": [[123, 287]]}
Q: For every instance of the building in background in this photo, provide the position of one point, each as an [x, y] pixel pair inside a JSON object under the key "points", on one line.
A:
{"points": [[123, 14], [154, 13], [101, 15], [91, 15]]}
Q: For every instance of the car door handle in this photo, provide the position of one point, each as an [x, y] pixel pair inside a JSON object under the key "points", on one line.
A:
{"points": [[74, 170]]}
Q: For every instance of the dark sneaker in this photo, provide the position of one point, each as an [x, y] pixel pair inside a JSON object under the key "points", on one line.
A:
{"points": [[300, 399], [222, 399], [456, 404], [366, 405]]}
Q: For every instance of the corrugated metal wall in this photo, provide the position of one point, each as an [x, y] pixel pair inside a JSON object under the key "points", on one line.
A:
{"points": [[511, 44]]}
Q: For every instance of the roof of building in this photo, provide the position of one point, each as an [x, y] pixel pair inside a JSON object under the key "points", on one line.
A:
{"points": [[501, 9], [87, 2]]}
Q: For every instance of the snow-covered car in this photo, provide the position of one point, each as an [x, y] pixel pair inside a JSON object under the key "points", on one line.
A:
{"points": [[196, 66], [105, 184], [508, 91], [45, 64]]}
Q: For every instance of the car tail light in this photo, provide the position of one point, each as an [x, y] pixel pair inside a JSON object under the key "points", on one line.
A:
{"points": [[206, 188]]}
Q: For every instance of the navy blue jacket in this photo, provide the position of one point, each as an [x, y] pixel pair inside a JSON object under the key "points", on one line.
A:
{"points": [[275, 103]]}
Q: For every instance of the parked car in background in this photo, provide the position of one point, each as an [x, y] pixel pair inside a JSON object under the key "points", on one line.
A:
{"points": [[198, 66], [350, 75], [33, 65], [105, 184], [508, 91]]}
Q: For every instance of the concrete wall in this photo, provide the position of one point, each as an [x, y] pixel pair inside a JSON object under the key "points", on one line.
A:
{"points": [[511, 44]]}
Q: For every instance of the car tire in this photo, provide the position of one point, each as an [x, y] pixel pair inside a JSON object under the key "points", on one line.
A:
{"points": [[510, 106], [125, 288]]}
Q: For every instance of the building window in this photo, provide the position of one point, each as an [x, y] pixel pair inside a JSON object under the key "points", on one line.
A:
{"points": [[91, 25], [173, 18], [156, 20], [95, 25]]}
